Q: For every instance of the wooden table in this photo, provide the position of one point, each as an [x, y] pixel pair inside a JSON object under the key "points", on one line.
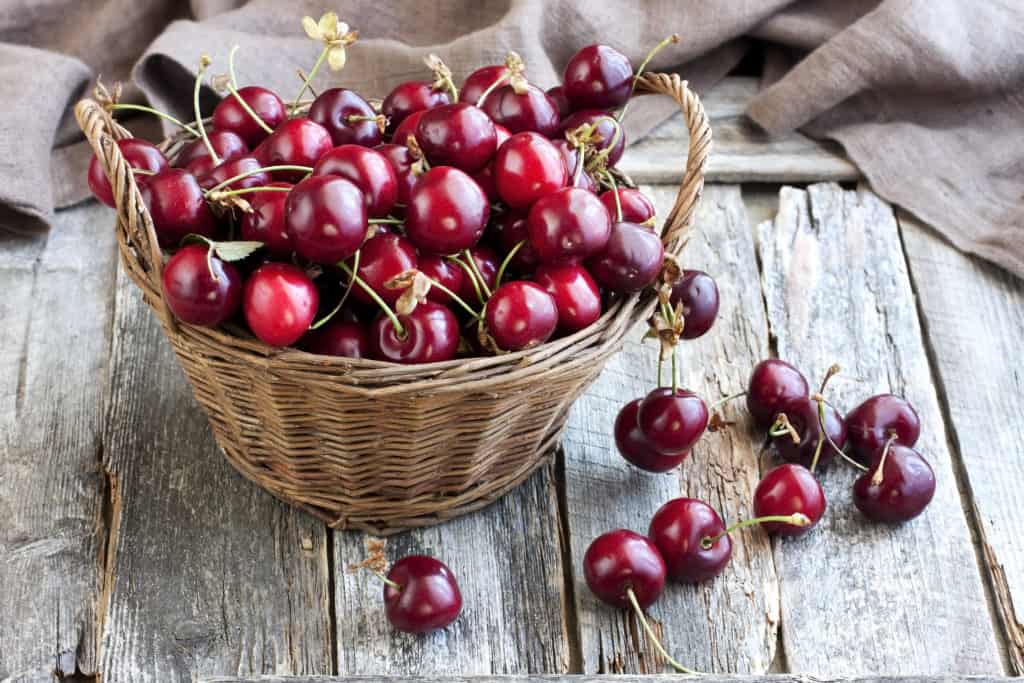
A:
{"points": [[131, 551]]}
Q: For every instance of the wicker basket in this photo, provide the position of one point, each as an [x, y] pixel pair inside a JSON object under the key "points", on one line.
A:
{"points": [[376, 446]]}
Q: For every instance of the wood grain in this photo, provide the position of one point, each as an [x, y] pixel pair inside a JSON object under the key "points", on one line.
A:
{"points": [[859, 597], [973, 318], [708, 678], [729, 624], [56, 309], [210, 574]]}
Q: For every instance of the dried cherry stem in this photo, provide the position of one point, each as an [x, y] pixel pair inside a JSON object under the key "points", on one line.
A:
{"points": [[264, 169], [344, 297], [631, 596], [783, 426], [476, 272], [154, 112], [821, 421], [879, 475], [601, 156], [795, 519], [661, 362], [469, 273], [442, 76], [309, 87], [674, 38], [233, 89], [204, 61], [832, 371], [143, 171], [508, 259], [395, 322]]}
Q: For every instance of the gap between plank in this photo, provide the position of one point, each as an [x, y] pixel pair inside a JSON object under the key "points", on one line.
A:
{"points": [[570, 620], [332, 608]]}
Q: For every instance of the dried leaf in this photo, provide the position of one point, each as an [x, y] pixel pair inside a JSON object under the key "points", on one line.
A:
{"points": [[416, 286], [375, 560], [220, 83]]}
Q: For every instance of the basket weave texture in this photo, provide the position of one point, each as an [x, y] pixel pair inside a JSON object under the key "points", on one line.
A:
{"points": [[377, 446]]}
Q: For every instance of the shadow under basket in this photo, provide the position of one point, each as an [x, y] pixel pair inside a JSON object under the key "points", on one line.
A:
{"points": [[377, 446]]}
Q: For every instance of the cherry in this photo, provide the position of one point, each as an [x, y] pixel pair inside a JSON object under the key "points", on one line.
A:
{"points": [[407, 128], [230, 115], [381, 258], [622, 561], [526, 168], [511, 230], [235, 167], [558, 96], [296, 142], [487, 263], [401, 162], [633, 445], [598, 76], [502, 133], [636, 207], [605, 127], [459, 135], [772, 383], [139, 154], [631, 260], [421, 595], [485, 179], [369, 170], [531, 110], [479, 81], [201, 291], [802, 413], [326, 218], [786, 490], [897, 487], [443, 271], [571, 157], [341, 338], [429, 334], [692, 539], [520, 315], [575, 292], [672, 420], [568, 225], [348, 118], [195, 157], [447, 211], [279, 302], [266, 222], [876, 419], [177, 206], [698, 294], [408, 98]]}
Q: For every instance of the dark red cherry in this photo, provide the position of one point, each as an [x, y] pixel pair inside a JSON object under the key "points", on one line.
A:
{"points": [[672, 421], [447, 211], [598, 76], [341, 338], [680, 529], [230, 115], [521, 315], [557, 95], [526, 168], [802, 413], [531, 110], [568, 225], [326, 218], [439, 269], [177, 207], [605, 128], [429, 334], [381, 258], [633, 445], [786, 490], [401, 162], [487, 264], [369, 170], [872, 423], [347, 117], [296, 142], [571, 156], [636, 207], [479, 81], [195, 158], [421, 595], [407, 128], [772, 383], [139, 154], [698, 294], [485, 179], [903, 489], [265, 223], [233, 168], [201, 290], [511, 230], [576, 295], [620, 561], [459, 135], [408, 98], [630, 261], [279, 302]]}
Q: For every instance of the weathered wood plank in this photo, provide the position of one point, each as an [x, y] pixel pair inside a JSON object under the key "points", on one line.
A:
{"points": [[211, 575], [56, 308], [729, 624], [973, 318], [741, 152], [859, 597], [709, 678]]}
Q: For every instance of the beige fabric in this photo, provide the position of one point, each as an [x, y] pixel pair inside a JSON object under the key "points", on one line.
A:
{"points": [[925, 95]]}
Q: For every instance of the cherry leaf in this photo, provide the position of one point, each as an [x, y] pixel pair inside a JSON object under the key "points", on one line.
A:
{"points": [[235, 251]]}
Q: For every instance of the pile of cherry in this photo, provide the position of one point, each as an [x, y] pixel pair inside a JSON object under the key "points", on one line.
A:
{"points": [[470, 220]]}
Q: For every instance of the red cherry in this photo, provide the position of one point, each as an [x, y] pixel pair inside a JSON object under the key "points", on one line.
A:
{"points": [[407, 128], [502, 133], [605, 128], [876, 419], [630, 261], [408, 98], [346, 116], [279, 302], [421, 595], [697, 292], [447, 211], [672, 421], [194, 294], [526, 168], [802, 413], [296, 142], [266, 222], [139, 154], [195, 158], [585, 181], [232, 168], [786, 490], [326, 218], [557, 95], [458, 135], [485, 179], [633, 445], [512, 230], [369, 170], [430, 335], [487, 265], [381, 258], [620, 561], [691, 538], [441, 270], [903, 489], [401, 163], [531, 110], [520, 315], [772, 383], [230, 115], [479, 81], [568, 225], [598, 76], [636, 207], [342, 338], [177, 206], [575, 292]]}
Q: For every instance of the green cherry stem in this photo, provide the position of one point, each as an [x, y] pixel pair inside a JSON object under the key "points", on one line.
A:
{"points": [[221, 194], [469, 273], [508, 259], [651, 635], [615, 193], [204, 61], [674, 38], [782, 426], [675, 371], [154, 112], [344, 297], [399, 330], [476, 271], [386, 580], [722, 401], [309, 77], [265, 169], [795, 519], [603, 154], [505, 74], [233, 89], [455, 297], [385, 221]]}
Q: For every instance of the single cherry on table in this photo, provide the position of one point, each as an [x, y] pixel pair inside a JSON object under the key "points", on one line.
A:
{"points": [[421, 595], [785, 491]]}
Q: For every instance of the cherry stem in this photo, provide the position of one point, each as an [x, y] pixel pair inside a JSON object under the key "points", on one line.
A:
{"points": [[302, 77], [264, 169], [783, 426], [675, 372], [154, 112], [615, 193], [508, 259], [142, 171], [469, 273], [399, 330], [221, 194], [204, 62], [309, 76], [824, 432], [661, 362], [344, 297], [838, 451], [722, 401], [394, 584], [476, 271], [233, 89], [505, 74], [603, 154], [455, 297], [651, 635], [832, 371], [212, 246], [674, 38], [580, 162], [879, 475], [795, 519], [385, 221]]}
